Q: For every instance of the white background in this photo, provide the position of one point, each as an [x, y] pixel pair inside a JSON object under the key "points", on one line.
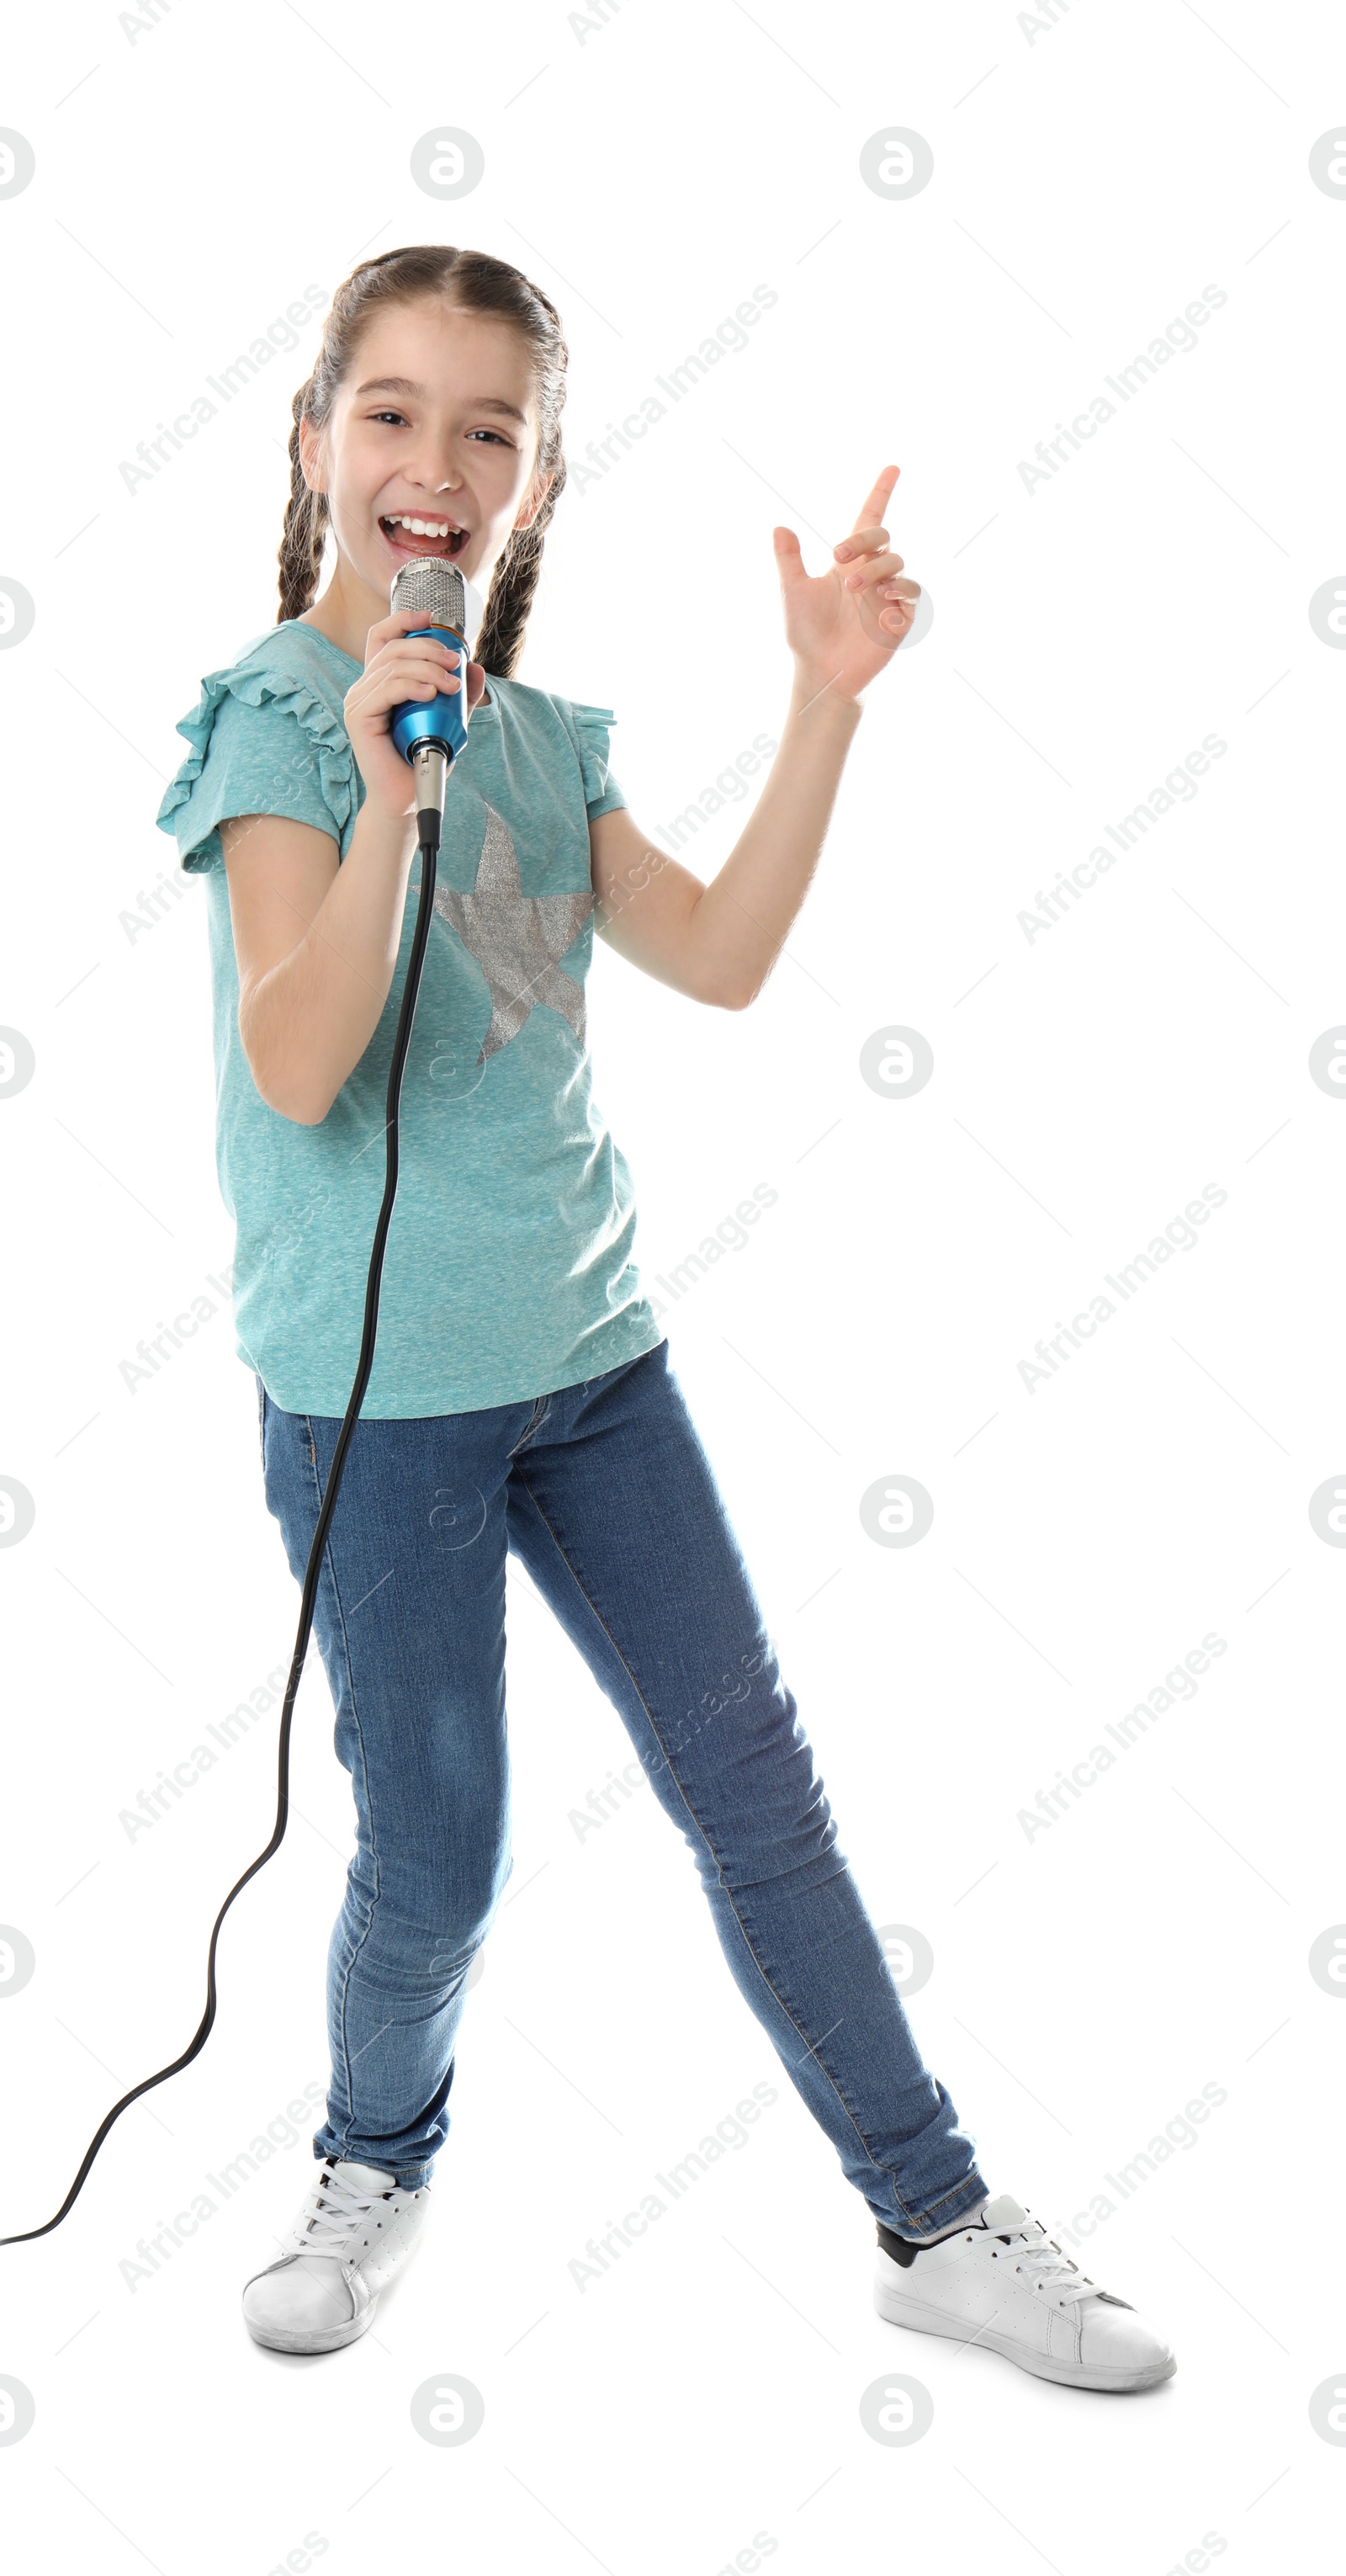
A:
{"points": [[195, 170]]}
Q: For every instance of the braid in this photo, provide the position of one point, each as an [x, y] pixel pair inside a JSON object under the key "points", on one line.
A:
{"points": [[475, 282], [301, 545], [513, 584]]}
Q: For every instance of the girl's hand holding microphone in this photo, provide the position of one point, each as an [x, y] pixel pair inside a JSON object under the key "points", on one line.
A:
{"points": [[400, 668], [318, 936]]}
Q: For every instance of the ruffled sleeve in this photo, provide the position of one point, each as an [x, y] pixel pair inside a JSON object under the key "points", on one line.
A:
{"points": [[266, 738], [602, 795]]}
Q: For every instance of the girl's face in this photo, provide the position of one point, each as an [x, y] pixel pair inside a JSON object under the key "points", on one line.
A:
{"points": [[436, 424]]}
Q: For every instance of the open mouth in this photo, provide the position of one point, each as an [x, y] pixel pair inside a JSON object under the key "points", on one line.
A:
{"points": [[410, 532]]}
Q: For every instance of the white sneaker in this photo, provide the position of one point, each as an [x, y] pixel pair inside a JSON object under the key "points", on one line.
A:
{"points": [[355, 2232], [1002, 2281]]}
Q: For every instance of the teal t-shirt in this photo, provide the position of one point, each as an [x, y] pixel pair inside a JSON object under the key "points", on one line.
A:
{"points": [[509, 1270]]}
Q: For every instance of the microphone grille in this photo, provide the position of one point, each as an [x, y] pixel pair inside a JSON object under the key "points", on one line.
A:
{"points": [[435, 585]]}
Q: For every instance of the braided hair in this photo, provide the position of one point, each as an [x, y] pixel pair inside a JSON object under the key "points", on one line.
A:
{"points": [[475, 280]]}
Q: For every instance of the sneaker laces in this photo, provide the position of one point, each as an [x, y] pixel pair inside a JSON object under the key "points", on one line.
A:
{"points": [[341, 2206], [1048, 2268]]}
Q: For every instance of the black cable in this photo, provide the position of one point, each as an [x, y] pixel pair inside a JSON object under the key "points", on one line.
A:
{"points": [[429, 826]]}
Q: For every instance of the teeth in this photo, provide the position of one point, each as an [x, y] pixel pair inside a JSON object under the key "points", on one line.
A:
{"points": [[418, 527]]}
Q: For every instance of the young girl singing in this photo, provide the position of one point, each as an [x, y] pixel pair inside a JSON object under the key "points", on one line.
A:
{"points": [[522, 1394]]}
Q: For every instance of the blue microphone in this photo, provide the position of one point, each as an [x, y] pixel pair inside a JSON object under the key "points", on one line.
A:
{"points": [[430, 736]]}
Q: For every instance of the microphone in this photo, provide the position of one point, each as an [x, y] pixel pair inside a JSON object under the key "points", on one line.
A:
{"points": [[431, 737]]}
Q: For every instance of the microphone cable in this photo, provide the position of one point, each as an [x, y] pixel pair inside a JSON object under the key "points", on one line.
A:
{"points": [[431, 760]]}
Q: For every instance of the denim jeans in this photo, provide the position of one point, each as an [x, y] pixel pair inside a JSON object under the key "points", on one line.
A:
{"points": [[606, 1496]]}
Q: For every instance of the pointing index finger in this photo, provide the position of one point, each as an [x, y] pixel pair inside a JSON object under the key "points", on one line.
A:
{"points": [[868, 521], [871, 511]]}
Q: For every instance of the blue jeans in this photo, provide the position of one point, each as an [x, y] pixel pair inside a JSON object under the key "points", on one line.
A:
{"points": [[605, 1494]]}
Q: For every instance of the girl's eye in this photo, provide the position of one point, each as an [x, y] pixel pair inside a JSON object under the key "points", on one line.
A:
{"points": [[400, 419]]}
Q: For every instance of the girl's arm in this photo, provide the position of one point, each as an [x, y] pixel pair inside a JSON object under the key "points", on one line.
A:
{"points": [[316, 944], [717, 943]]}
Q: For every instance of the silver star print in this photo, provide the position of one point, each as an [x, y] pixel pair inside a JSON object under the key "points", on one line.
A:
{"points": [[517, 939]]}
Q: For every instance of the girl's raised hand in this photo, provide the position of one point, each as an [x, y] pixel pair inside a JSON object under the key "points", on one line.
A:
{"points": [[400, 667], [846, 626]]}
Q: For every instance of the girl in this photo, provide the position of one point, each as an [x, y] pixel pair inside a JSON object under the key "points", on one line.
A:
{"points": [[522, 1394]]}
